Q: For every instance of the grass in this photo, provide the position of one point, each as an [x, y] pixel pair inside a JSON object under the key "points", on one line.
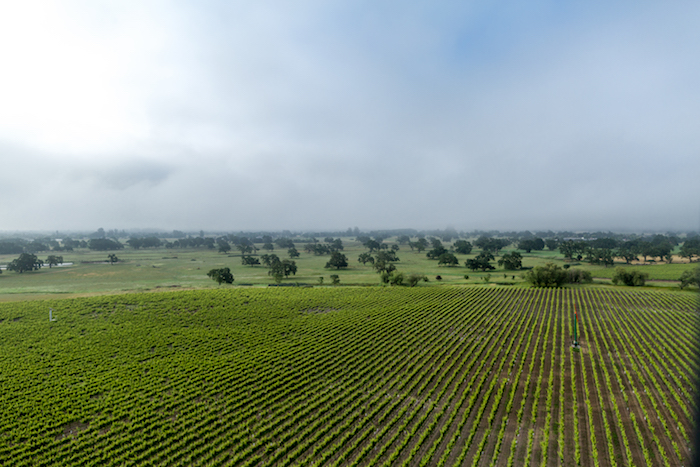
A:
{"points": [[167, 269]]}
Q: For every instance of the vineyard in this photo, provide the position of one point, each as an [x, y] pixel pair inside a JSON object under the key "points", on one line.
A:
{"points": [[349, 376]]}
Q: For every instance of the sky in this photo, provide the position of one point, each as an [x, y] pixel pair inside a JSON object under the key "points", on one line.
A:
{"points": [[272, 115]]}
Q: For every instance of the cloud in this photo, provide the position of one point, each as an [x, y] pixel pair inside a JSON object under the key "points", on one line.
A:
{"points": [[317, 115]]}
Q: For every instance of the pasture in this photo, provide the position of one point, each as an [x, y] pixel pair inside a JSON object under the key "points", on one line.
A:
{"points": [[165, 269], [349, 376]]}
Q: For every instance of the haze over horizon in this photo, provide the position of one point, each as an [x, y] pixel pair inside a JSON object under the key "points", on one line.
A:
{"points": [[317, 116]]}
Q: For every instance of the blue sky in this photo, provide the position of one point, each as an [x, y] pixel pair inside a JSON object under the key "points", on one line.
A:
{"points": [[324, 115]]}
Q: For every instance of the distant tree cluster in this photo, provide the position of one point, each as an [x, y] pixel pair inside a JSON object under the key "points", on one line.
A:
{"points": [[491, 245], [104, 244], [690, 248], [144, 242], [331, 246], [530, 244], [603, 251], [25, 262]]}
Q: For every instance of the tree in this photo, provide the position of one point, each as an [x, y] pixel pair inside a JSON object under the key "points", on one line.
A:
{"points": [[605, 242], [268, 246], [578, 276], [420, 244], [571, 249], [11, 248], [384, 266], [53, 260], [267, 260], [36, 246], [492, 245], [647, 249], [437, 250], [602, 256], [392, 277], [530, 244], [284, 242], [630, 278], [373, 245], [480, 262], [690, 277], [387, 256], [224, 246], [448, 259], [112, 258], [463, 247], [249, 260], [104, 244], [25, 262], [335, 279], [146, 242], [365, 258], [690, 248], [318, 248], [549, 275], [338, 260], [279, 268], [627, 251], [221, 275], [292, 252], [244, 248], [511, 261], [551, 244], [414, 279], [134, 243]]}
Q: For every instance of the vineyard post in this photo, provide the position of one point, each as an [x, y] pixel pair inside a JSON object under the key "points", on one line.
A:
{"points": [[575, 327]]}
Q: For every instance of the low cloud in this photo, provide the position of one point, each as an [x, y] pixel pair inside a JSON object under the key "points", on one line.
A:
{"points": [[330, 116]]}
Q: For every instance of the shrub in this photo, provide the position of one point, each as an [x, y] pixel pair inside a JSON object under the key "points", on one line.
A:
{"points": [[578, 276], [549, 275], [690, 278], [631, 278], [335, 279], [414, 279], [396, 278]]}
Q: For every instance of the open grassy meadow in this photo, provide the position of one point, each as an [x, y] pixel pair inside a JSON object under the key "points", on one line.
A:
{"points": [[160, 268], [457, 375]]}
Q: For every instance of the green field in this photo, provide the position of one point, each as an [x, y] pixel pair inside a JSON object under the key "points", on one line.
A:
{"points": [[349, 376], [161, 268]]}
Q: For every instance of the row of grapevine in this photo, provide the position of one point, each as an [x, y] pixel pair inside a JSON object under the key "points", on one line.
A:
{"points": [[349, 376]]}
